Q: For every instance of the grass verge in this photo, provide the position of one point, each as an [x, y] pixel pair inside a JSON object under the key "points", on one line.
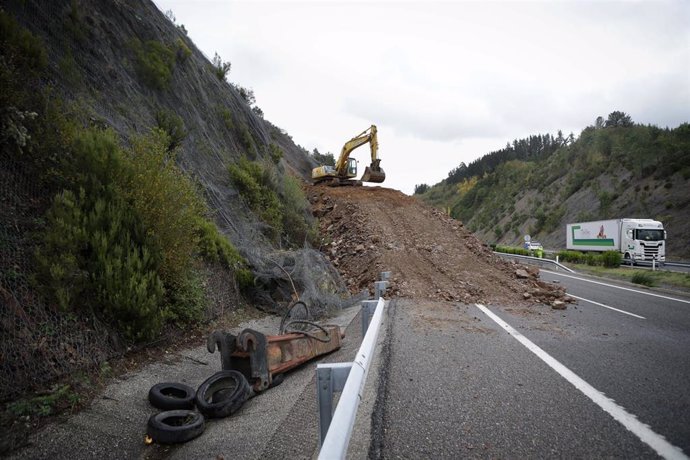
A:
{"points": [[660, 278]]}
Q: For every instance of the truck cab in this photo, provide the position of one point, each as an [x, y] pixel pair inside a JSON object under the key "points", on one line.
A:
{"points": [[643, 240]]}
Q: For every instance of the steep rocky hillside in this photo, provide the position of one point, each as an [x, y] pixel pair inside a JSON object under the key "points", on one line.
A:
{"points": [[536, 186], [97, 56], [88, 265]]}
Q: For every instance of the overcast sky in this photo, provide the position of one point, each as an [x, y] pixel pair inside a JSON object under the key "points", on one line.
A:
{"points": [[447, 82]]}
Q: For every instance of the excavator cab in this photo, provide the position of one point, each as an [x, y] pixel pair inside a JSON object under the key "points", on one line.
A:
{"points": [[351, 167]]}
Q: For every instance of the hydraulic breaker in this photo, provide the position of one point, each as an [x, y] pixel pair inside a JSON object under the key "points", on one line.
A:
{"points": [[263, 358]]}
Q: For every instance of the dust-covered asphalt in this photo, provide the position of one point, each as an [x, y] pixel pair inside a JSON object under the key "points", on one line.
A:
{"points": [[280, 423]]}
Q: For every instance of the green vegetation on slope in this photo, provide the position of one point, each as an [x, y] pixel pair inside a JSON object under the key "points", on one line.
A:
{"points": [[277, 198], [538, 184], [124, 231]]}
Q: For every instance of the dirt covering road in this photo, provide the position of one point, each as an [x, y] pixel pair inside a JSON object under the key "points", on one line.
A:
{"points": [[431, 256]]}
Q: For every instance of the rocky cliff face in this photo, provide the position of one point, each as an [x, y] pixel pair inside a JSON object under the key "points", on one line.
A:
{"points": [[123, 65], [96, 50]]}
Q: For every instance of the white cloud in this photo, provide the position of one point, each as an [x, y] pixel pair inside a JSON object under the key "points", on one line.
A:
{"points": [[448, 82]]}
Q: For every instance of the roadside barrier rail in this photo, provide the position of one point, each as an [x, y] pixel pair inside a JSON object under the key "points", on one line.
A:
{"points": [[535, 260], [335, 428]]}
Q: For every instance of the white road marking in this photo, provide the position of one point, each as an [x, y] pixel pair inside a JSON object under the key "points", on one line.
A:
{"points": [[617, 287], [656, 441], [608, 306]]}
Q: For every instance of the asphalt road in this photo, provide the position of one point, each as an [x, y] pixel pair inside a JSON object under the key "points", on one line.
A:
{"points": [[460, 385]]}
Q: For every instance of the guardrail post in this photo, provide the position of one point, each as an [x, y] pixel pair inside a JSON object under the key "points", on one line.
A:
{"points": [[385, 276], [368, 308], [330, 378], [380, 288]]}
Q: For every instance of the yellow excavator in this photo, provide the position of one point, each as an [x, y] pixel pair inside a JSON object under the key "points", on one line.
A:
{"points": [[345, 169]]}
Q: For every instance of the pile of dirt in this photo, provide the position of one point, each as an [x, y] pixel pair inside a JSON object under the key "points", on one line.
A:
{"points": [[431, 256]]}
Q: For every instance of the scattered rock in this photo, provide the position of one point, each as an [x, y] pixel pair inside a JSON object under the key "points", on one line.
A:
{"points": [[522, 274], [558, 305]]}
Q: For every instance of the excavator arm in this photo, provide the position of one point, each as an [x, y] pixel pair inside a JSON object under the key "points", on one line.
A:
{"points": [[344, 167]]}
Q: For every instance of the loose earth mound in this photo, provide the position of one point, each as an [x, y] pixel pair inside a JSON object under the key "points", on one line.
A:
{"points": [[431, 256]]}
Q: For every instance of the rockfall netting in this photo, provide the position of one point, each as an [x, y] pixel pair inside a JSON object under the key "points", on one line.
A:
{"points": [[38, 343], [281, 277]]}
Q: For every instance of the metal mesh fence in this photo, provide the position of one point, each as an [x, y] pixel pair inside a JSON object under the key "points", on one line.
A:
{"points": [[283, 276], [37, 344]]}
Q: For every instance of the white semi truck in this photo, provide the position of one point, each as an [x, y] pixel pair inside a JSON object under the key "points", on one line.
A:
{"points": [[638, 240]]}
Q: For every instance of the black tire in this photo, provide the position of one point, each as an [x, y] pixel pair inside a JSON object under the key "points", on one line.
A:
{"points": [[175, 426], [172, 396], [222, 394]]}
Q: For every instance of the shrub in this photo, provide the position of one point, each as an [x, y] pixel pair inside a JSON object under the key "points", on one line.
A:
{"points": [[254, 183], [74, 24], [121, 239], [295, 213], [512, 250], [575, 257], [275, 152], [215, 247], [154, 63], [323, 158], [172, 124], [59, 397], [23, 58], [256, 110], [247, 140], [420, 188], [279, 202], [183, 52], [68, 69], [642, 278], [611, 259], [220, 68], [591, 259], [166, 200], [94, 254], [247, 95], [21, 48], [187, 298], [226, 115]]}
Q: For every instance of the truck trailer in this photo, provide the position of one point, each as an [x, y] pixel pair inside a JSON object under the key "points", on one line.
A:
{"points": [[638, 240]]}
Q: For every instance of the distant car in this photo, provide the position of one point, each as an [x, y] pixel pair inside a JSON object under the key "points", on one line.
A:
{"points": [[533, 246]]}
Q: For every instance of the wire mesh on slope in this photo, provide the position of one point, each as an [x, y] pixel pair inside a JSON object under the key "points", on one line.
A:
{"points": [[304, 274]]}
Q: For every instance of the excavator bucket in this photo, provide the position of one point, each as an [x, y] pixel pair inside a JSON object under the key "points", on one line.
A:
{"points": [[373, 175]]}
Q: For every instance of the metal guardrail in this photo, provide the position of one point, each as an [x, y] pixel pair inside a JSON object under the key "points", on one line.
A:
{"points": [[677, 264], [535, 260], [335, 428]]}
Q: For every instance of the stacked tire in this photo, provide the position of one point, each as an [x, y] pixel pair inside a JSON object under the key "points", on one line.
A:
{"points": [[221, 395]]}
